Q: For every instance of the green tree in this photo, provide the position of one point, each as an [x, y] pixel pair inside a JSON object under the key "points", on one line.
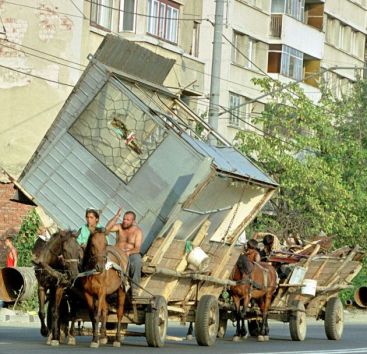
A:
{"points": [[317, 153], [26, 238]]}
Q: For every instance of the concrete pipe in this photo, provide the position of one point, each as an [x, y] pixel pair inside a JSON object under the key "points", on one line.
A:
{"points": [[360, 296], [17, 283]]}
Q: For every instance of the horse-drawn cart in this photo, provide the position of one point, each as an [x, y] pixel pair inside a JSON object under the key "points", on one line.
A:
{"points": [[312, 288], [123, 140]]}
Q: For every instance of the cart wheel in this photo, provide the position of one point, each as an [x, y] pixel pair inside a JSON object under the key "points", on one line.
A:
{"points": [[253, 328], [334, 319], [297, 322], [222, 327], [207, 320], [156, 320]]}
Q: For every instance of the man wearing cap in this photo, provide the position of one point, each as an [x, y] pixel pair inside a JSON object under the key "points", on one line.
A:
{"points": [[129, 239]]}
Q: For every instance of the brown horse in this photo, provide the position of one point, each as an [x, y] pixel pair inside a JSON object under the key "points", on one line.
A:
{"points": [[56, 265], [257, 281], [102, 282]]}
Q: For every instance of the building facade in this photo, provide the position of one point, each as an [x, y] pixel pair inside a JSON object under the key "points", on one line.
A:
{"points": [[44, 49], [289, 40]]}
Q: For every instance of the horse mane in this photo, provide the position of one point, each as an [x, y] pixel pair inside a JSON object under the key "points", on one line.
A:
{"points": [[88, 248]]}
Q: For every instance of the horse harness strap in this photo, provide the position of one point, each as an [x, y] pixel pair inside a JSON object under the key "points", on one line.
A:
{"points": [[265, 274]]}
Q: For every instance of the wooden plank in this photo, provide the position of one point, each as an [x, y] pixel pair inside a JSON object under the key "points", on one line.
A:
{"points": [[181, 266], [166, 243]]}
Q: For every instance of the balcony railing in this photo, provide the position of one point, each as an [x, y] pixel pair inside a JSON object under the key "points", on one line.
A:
{"points": [[276, 25]]}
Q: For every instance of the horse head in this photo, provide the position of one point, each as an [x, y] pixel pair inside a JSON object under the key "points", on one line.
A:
{"points": [[95, 255], [71, 254]]}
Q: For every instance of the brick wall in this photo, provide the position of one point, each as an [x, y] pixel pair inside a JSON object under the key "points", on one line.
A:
{"points": [[11, 215]]}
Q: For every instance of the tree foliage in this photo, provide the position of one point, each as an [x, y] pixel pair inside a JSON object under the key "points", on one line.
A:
{"points": [[26, 238], [317, 153]]}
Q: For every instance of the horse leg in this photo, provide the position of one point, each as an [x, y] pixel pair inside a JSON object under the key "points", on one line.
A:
{"points": [[190, 331], [264, 306], [237, 304], [56, 316], [93, 317], [121, 295], [41, 311], [102, 333], [71, 336], [243, 331]]}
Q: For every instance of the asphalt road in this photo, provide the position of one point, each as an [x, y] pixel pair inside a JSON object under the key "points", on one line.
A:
{"points": [[16, 340]]}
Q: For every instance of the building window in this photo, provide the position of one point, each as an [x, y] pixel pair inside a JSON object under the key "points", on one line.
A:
{"points": [[127, 16], [239, 111], [293, 8], [101, 13], [286, 61], [118, 132], [195, 39], [243, 50], [163, 19]]}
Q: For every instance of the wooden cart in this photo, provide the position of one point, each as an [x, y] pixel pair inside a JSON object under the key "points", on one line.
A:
{"points": [[332, 273], [173, 290]]}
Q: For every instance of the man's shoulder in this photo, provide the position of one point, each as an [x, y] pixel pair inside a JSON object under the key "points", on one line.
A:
{"points": [[137, 228]]}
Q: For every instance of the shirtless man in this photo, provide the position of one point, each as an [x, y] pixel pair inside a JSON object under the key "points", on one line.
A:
{"points": [[129, 239]]}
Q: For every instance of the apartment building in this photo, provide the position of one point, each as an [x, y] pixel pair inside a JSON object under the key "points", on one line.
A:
{"points": [[40, 57], [288, 40], [45, 45]]}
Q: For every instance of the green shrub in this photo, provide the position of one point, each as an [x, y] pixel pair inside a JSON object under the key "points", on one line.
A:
{"points": [[26, 238]]}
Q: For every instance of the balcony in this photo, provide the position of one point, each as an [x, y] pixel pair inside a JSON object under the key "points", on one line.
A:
{"points": [[286, 30]]}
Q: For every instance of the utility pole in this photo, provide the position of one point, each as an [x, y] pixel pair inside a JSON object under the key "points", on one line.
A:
{"points": [[216, 66]]}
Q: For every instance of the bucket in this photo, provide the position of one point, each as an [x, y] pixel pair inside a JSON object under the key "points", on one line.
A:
{"points": [[360, 296], [198, 258], [297, 275], [309, 287], [17, 282]]}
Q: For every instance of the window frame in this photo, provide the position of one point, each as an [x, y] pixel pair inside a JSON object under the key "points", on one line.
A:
{"points": [[163, 27], [121, 20], [95, 20]]}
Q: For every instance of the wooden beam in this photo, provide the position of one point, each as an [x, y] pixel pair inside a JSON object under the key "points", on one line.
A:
{"points": [[163, 247]]}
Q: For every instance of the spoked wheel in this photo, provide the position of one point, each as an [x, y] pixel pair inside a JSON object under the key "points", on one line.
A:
{"points": [[207, 320], [297, 322], [334, 319], [156, 321]]}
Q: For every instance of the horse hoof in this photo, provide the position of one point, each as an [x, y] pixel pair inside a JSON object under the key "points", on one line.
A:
{"points": [[260, 339], [266, 338], [54, 343], [49, 338], [244, 336], [71, 341], [44, 331], [103, 340], [236, 339], [116, 344], [94, 345], [189, 337]]}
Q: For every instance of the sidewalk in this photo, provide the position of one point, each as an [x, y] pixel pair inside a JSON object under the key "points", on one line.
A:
{"points": [[11, 317]]}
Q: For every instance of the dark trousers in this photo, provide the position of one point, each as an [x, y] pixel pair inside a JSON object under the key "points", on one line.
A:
{"points": [[135, 270]]}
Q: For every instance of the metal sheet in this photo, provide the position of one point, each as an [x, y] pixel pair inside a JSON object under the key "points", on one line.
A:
{"points": [[133, 59], [229, 160]]}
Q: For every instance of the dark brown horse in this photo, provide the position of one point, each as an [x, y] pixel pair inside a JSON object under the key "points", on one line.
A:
{"points": [[56, 265], [257, 281], [97, 257]]}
